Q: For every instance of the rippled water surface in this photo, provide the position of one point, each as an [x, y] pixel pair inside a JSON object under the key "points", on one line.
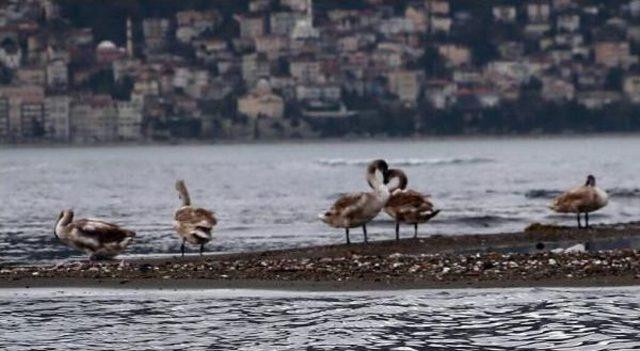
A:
{"points": [[508, 319], [268, 196]]}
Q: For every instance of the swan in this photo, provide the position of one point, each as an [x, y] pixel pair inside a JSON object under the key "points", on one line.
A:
{"points": [[357, 209], [582, 199], [99, 239], [193, 224], [407, 206]]}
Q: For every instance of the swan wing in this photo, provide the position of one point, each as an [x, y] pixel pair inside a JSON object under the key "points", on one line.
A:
{"points": [[410, 200], [195, 216], [349, 203], [573, 200], [93, 233]]}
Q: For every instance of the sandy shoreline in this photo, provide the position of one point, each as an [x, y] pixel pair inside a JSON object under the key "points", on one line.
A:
{"points": [[532, 258], [307, 285]]}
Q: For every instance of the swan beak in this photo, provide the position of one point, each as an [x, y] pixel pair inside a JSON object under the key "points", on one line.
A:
{"points": [[385, 177]]}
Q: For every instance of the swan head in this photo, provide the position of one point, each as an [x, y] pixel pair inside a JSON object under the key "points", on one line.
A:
{"points": [[397, 179], [68, 214], [591, 180], [375, 168]]}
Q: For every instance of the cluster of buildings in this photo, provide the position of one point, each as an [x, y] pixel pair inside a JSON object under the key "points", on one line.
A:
{"points": [[276, 58]]}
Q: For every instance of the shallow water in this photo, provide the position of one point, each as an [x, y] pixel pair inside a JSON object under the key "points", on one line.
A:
{"points": [[508, 319], [268, 196]]}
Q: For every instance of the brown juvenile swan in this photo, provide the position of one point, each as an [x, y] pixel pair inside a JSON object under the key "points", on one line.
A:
{"points": [[357, 209], [193, 224], [582, 199], [99, 239], [407, 206]]}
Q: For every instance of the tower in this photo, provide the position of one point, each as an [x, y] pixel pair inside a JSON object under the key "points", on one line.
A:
{"points": [[129, 38]]}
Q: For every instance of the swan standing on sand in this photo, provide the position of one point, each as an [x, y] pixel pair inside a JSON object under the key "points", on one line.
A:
{"points": [[101, 240], [193, 224], [583, 199], [357, 209], [407, 206]]}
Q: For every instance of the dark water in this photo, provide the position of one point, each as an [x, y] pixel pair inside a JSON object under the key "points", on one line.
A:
{"points": [[268, 196], [507, 319]]}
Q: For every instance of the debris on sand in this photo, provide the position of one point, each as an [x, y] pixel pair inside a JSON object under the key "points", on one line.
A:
{"points": [[389, 268]]}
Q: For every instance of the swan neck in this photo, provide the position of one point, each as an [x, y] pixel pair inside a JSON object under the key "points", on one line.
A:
{"points": [[184, 195], [62, 223], [373, 180], [383, 192], [397, 180]]}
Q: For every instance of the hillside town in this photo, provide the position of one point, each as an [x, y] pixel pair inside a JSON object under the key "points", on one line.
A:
{"points": [[302, 69]]}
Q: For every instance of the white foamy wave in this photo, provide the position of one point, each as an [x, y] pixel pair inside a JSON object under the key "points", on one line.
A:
{"points": [[405, 161]]}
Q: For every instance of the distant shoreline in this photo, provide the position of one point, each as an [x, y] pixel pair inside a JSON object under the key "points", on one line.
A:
{"points": [[349, 139], [533, 258]]}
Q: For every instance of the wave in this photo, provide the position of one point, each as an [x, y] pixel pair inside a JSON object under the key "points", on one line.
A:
{"points": [[484, 219], [551, 193], [624, 192], [406, 162], [542, 193]]}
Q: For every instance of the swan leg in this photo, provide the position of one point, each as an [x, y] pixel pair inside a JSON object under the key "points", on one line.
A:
{"points": [[201, 249], [579, 223], [397, 231], [182, 247], [347, 232], [364, 231], [415, 230], [586, 219]]}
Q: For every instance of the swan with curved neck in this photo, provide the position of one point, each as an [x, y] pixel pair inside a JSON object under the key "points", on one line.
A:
{"points": [[582, 199], [99, 239], [407, 206], [193, 224], [357, 209]]}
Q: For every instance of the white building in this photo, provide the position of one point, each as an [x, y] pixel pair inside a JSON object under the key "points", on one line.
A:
{"points": [[10, 55], [94, 119], [129, 120], [57, 74], [261, 102], [57, 110], [156, 34]]}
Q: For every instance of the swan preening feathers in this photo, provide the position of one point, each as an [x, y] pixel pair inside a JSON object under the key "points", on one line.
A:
{"points": [[102, 240], [582, 199], [97, 238], [407, 206], [194, 225]]}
